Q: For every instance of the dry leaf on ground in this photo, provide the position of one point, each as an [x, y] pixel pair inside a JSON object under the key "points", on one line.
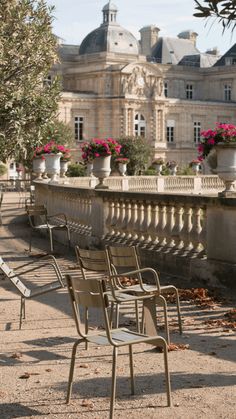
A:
{"points": [[87, 403]]}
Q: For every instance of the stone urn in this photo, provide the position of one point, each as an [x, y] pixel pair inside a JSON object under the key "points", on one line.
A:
{"points": [[122, 168], [63, 168], [102, 169], [39, 167], [173, 170], [196, 168], [89, 169], [226, 167], [158, 167], [52, 163]]}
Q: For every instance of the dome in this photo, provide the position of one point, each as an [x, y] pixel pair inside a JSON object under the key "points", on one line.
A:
{"points": [[110, 36]]}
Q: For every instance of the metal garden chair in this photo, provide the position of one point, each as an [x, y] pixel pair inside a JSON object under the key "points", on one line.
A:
{"points": [[126, 258], [92, 293], [17, 278], [1, 199], [40, 221], [96, 263]]}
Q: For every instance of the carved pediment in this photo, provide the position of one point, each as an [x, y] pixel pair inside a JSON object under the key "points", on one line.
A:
{"points": [[142, 80]]}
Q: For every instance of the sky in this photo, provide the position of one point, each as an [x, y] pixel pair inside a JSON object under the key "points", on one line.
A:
{"points": [[74, 19]]}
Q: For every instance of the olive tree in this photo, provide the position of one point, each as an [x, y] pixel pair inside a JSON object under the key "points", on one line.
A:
{"points": [[28, 50], [138, 151], [224, 11]]}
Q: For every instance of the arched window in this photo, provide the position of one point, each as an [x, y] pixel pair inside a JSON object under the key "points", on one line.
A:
{"points": [[139, 125]]}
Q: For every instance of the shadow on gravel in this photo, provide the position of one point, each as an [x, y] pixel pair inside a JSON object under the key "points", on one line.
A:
{"points": [[17, 410]]}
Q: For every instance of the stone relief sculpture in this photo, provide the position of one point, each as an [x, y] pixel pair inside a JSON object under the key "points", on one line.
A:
{"points": [[142, 83]]}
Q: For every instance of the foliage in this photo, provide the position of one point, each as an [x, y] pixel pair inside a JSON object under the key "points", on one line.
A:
{"points": [[3, 169], [138, 151], [186, 171], [28, 50], [150, 172], [76, 170], [60, 132], [223, 133], [100, 148], [122, 160], [159, 160], [223, 10]]}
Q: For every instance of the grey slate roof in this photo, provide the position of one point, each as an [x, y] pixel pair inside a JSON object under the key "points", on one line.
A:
{"points": [[172, 50], [109, 38], [231, 53], [68, 52], [199, 60]]}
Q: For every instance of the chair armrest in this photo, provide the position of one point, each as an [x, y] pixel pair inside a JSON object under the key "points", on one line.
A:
{"points": [[32, 268], [142, 270]]}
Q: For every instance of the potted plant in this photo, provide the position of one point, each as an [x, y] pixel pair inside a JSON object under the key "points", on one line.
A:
{"points": [[172, 166], [64, 160], [52, 153], [122, 164], [222, 140], [158, 165], [99, 151], [195, 166], [39, 163]]}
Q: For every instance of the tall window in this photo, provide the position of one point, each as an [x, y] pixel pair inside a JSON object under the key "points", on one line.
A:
{"points": [[166, 89], [79, 128], [189, 91], [227, 92], [139, 125], [197, 132], [170, 131]]}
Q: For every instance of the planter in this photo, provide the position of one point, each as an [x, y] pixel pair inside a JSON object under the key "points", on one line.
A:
{"points": [[52, 163], [122, 168], [39, 167], [63, 168], [173, 170], [226, 167], [196, 168], [89, 169], [102, 169], [158, 168]]}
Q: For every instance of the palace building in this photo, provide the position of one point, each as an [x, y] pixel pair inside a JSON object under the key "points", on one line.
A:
{"points": [[162, 88]]}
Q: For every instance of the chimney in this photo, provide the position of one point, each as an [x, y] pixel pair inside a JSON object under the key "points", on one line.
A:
{"points": [[190, 35], [213, 51], [149, 37]]}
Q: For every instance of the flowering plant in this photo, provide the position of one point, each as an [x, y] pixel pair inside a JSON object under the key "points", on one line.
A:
{"points": [[194, 161], [223, 133], [122, 160], [171, 163], [52, 148], [100, 148], [159, 160]]}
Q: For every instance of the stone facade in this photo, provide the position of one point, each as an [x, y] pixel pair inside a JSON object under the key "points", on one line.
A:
{"points": [[109, 93]]}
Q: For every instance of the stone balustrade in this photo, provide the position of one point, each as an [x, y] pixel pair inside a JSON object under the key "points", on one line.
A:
{"points": [[189, 235], [168, 184]]}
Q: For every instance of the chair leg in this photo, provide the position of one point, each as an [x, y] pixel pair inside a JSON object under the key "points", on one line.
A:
{"points": [[71, 373], [167, 374], [162, 301], [22, 311], [86, 324], [137, 316], [178, 312], [51, 240], [111, 314], [68, 235], [131, 368], [113, 388], [117, 315]]}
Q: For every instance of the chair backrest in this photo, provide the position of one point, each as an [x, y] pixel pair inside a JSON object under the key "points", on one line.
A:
{"points": [[123, 259], [15, 280], [91, 260], [86, 293], [35, 211]]}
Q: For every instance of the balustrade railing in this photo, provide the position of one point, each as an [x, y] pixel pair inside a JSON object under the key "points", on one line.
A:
{"points": [[165, 184]]}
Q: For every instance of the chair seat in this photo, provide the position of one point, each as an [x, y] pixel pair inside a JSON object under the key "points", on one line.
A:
{"points": [[44, 289], [121, 336]]}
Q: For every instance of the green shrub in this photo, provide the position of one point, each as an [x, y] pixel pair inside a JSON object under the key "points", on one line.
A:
{"points": [[3, 169], [76, 170]]}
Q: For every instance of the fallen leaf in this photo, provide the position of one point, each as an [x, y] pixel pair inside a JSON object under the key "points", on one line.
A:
{"points": [[16, 355], [83, 366], [48, 370], [177, 346], [25, 376], [87, 403]]}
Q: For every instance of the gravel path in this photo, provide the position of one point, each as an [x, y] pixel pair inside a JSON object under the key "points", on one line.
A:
{"points": [[34, 361]]}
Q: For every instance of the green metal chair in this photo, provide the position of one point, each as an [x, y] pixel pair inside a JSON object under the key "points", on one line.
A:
{"points": [[42, 270], [92, 293], [40, 221], [126, 258]]}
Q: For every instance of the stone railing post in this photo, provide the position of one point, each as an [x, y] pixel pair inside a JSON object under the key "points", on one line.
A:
{"points": [[197, 185], [160, 182], [99, 214]]}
